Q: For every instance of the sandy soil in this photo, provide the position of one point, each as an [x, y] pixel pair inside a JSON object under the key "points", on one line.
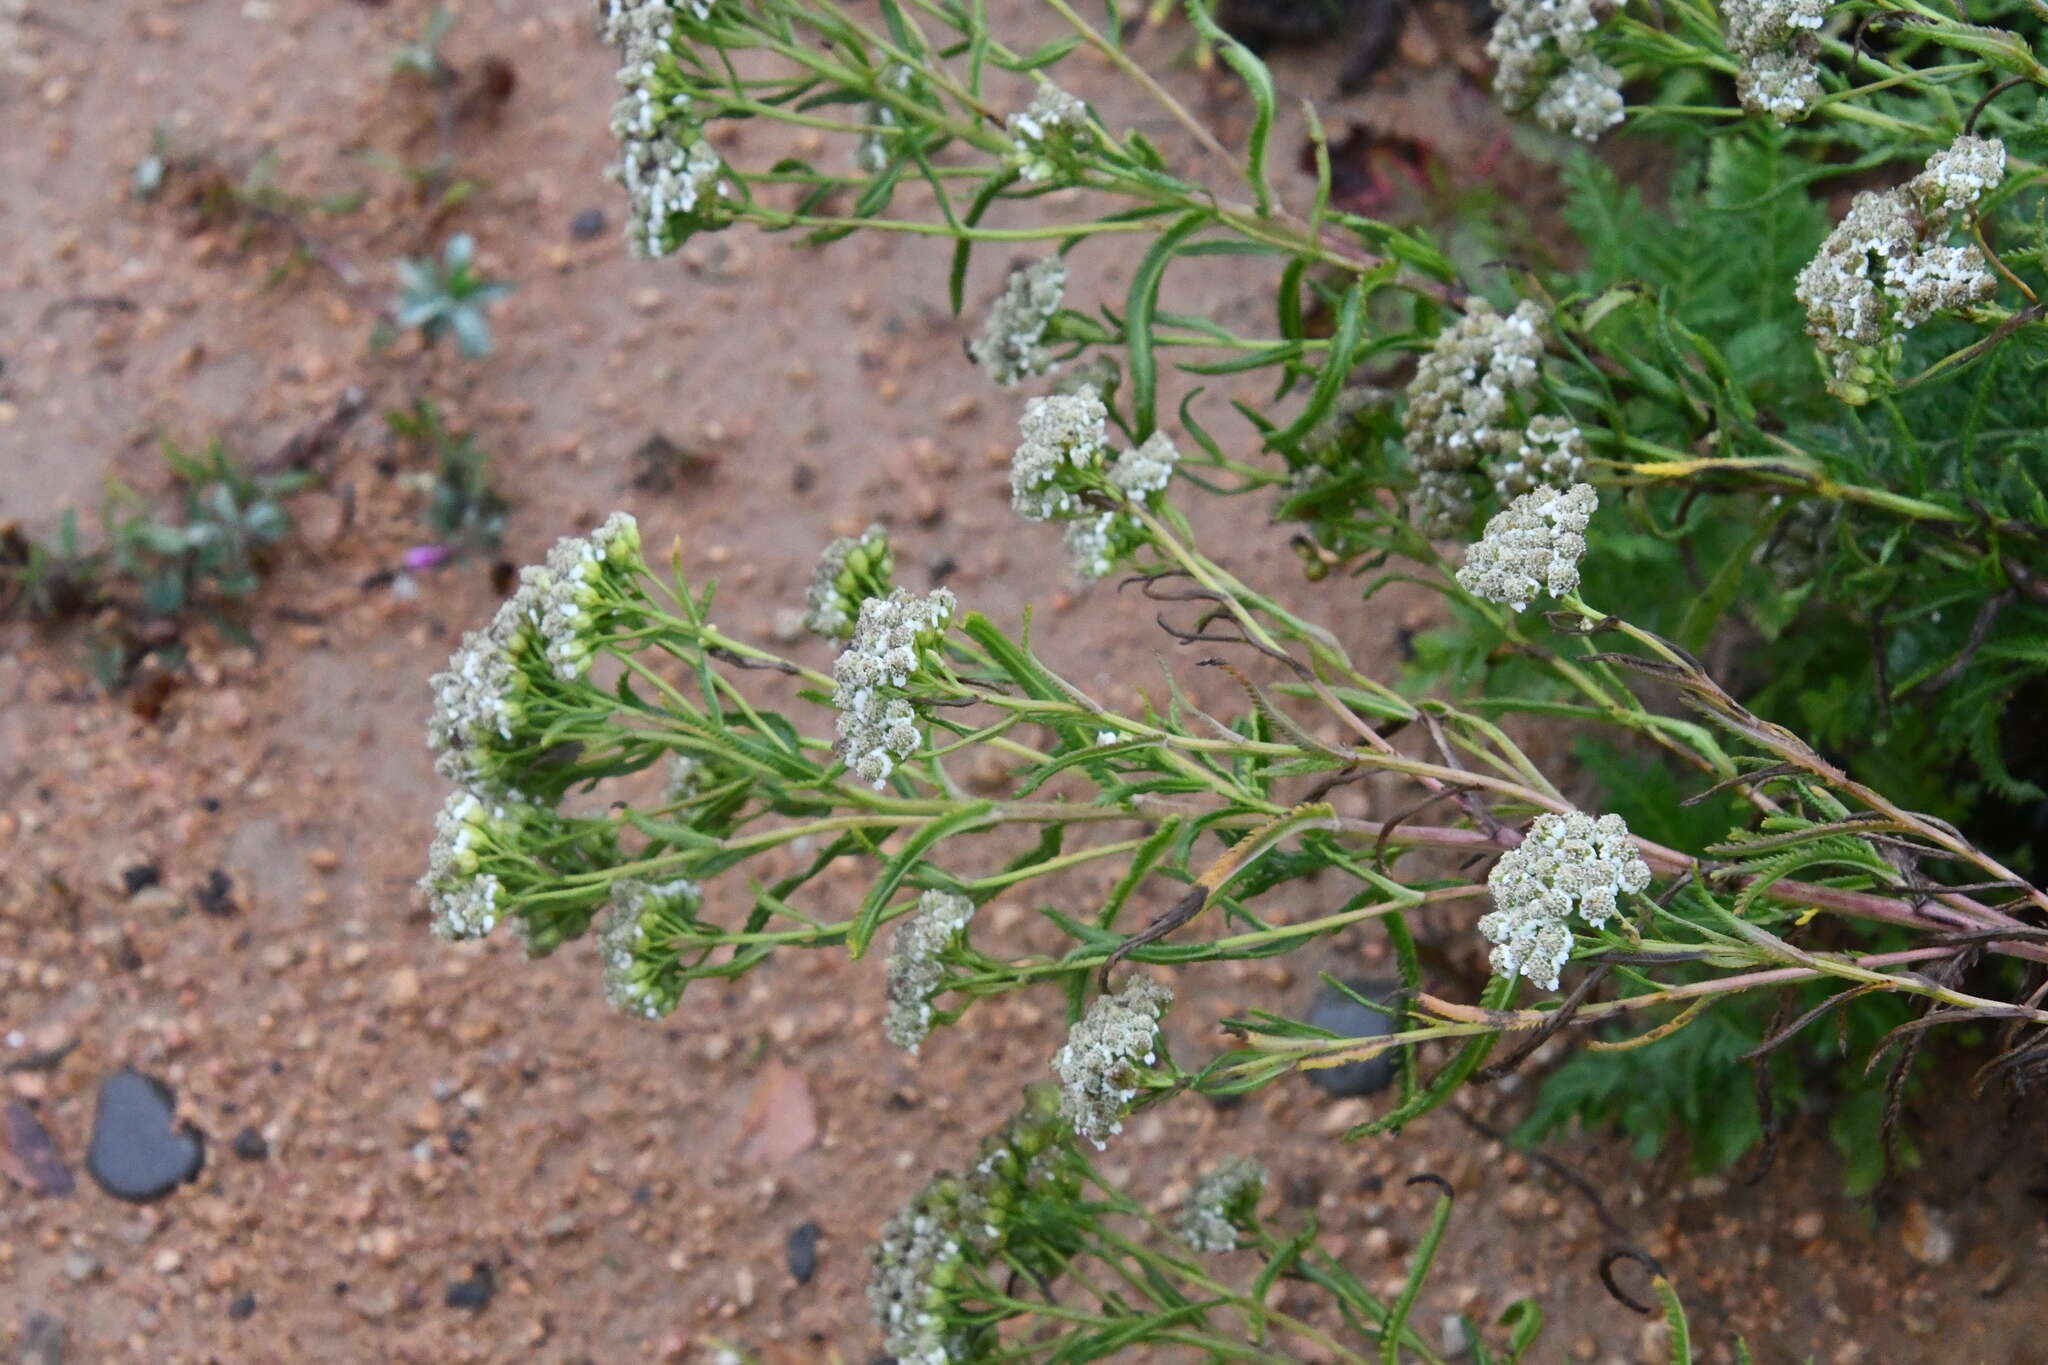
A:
{"points": [[427, 1110]]}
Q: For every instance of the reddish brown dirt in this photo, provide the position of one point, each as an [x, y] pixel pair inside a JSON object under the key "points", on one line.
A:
{"points": [[430, 1108]]}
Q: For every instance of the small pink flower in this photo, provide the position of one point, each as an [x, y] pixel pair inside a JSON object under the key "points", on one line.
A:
{"points": [[426, 556]]}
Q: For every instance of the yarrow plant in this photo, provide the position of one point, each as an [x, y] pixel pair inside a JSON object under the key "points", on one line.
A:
{"points": [[1888, 267], [1566, 864], [1063, 471], [633, 939], [1779, 43], [674, 179], [1050, 134], [1655, 447], [850, 571], [1462, 411], [1011, 347], [1545, 64], [1224, 1201], [1533, 546], [1100, 1064], [917, 966], [872, 678]]}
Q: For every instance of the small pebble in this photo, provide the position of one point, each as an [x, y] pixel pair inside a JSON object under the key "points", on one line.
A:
{"points": [[43, 1340], [216, 896], [250, 1145], [241, 1308], [1926, 1235], [801, 1252], [1456, 1340], [36, 1160], [587, 225], [476, 1292], [134, 879]]}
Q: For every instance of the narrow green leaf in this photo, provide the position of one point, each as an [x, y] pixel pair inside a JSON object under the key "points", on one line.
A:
{"points": [[1259, 82], [1138, 310], [1336, 369], [1418, 1271], [956, 278]]}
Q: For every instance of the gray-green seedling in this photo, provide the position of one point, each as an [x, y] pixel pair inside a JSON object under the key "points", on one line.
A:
{"points": [[448, 296]]}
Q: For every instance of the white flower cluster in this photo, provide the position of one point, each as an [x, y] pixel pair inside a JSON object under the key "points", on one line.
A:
{"points": [[477, 703], [1146, 469], [1957, 177], [914, 967], [1221, 1200], [1047, 131], [1531, 546], [917, 1254], [1011, 346], [1552, 455], [1567, 863], [667, 167], [1092, 537], [1543, 62], [878, 731], [1886, 268], [616, 19], [927, 1249], [543, 634], [1119, 1032], [639, 968], [1064, 451], [1460, 405], [1060, 432], [562, 597], [461, 896], [557, 610], [1778, 42], [851, 570]]}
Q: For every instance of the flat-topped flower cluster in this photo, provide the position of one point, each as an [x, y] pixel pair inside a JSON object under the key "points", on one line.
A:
{"points": [[1544, 64], [1567, 864], [877, 722], [1888, 265], [1063, 471]]}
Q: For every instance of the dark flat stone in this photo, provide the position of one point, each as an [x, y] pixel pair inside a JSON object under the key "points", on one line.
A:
{"points": [[138, 1151], [801, 1251], [1338, 1013]]}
